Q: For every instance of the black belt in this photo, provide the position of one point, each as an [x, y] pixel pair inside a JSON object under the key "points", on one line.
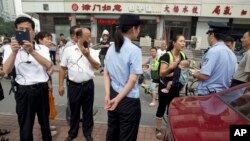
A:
{"points": [[34, 86], [80, 83]]}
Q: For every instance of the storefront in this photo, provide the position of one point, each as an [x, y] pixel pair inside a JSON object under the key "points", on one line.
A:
{"points": [[163, 19]]}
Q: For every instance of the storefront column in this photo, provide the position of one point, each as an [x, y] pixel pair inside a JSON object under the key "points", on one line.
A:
{"points": [[160, 26], [93, 29], [73, 20]]}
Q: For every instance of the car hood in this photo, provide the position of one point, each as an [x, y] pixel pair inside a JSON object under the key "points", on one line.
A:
{"points": [[202, 118]]}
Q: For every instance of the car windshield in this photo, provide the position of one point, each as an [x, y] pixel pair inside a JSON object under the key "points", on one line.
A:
{"points": [[239, 100]]}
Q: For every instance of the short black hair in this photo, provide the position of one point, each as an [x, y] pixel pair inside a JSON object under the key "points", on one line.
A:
{"points": [[72, 29], [61, 34], [42, 35], [153, 48], [228, 39], [24, 19]]}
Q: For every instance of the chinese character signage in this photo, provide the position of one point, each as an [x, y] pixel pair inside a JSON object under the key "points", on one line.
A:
{"points": [[181, 9], [94, 7], [223, 10]]}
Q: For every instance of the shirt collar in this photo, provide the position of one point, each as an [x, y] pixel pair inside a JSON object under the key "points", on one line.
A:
{"points": [[72, 41], [219, 43], [126, 39]]}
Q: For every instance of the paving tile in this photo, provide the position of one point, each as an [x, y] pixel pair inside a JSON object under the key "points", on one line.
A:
{"points": [[99, 131]]}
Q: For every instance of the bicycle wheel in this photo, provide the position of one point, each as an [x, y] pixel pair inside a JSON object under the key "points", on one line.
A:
{"points": [[192, 89]]}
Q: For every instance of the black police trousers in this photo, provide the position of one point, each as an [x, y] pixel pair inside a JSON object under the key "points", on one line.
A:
{"points": [[123, 122], [32, 100], [81, 96]]}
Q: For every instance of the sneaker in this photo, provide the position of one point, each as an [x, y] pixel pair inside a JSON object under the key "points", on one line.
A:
{"points": [[52, 127], [53, 133], [158, 134], [152, 104]]}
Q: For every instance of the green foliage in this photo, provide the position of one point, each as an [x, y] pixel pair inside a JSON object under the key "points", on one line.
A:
{"points": [[7, 28]]}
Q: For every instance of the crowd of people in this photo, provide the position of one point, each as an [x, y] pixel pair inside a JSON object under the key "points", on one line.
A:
{"points": [[218, 70], [166, 70]]}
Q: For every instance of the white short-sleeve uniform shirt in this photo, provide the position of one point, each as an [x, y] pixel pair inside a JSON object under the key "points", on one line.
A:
{"points": [[28, 70], [79, 68]]}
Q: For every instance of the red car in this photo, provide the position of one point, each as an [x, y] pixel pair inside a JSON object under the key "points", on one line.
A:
{"points": [[208, 118]]}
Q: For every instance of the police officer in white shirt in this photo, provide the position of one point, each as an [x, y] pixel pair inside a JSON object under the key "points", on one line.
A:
{"points": [[31, 63], [80, 61]]}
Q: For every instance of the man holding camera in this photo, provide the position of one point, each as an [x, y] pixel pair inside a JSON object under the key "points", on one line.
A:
{"points": [[80, 61], [31, 63]]}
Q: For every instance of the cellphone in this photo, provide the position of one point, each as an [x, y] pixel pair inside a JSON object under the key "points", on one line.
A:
{"points": [[22, 35], [85, 44]]}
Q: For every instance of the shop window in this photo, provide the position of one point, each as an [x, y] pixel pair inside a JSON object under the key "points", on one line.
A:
{"points": [[45, 7], [83, 22], [108, 24], [148, 29]]}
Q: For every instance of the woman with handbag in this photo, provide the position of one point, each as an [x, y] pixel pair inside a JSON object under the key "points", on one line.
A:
{"points": [[45, 38]]}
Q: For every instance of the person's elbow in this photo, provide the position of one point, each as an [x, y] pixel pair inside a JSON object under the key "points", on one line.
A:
{"points": [[97, 66], [133, 78], [6, 70], [162, 74], [2, 73]]}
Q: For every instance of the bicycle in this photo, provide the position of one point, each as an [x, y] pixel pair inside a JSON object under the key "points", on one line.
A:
{"points": [[191, 89]]}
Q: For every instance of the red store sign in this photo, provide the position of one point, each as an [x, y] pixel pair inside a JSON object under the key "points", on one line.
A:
{"points": [[97, 7], [107, 22], [227, 10]]}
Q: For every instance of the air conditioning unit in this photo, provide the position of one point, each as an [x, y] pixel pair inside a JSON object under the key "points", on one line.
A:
{"points": [[195, 42]]}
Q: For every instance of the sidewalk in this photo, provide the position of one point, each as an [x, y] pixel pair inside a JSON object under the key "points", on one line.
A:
{"points": [[99, 131]]}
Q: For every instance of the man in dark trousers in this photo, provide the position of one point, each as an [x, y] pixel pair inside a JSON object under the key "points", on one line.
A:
{"points": [[80, 61], [31, 63]]}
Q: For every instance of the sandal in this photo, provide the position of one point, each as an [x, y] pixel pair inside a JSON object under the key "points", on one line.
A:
{"points": [[164, 91], [158, 134], [4, 139], [4, 132], [152, 104]]}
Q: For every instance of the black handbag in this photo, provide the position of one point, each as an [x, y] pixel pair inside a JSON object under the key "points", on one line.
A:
{"points": [[1, 92]]}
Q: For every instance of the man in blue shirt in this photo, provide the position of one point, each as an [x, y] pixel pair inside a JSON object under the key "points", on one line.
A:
{"points": [[218, 64]]}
